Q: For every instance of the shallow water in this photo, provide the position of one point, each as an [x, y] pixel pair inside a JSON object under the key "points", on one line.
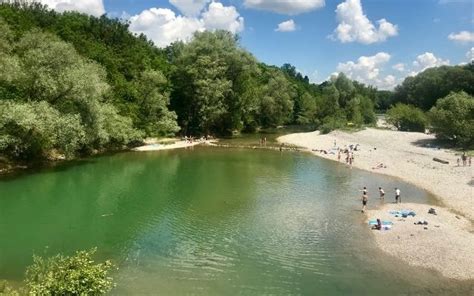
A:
{"points": [[207, 221]]}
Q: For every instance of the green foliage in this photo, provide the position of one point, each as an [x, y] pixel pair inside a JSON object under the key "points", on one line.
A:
{"points": [[424, 89], [212, 83], [123, 57], [407, 118], [453, 119], [276, 104], [115, 130], [120, 87], [156, 119], [332, 123], [345, 88], [367, 110], [73, 275], [54, 101], [6, 290], [30, 130], [384, 99], [305, 109]]}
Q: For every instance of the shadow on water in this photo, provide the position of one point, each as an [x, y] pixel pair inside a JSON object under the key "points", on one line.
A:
{"points": [[48, 167]]}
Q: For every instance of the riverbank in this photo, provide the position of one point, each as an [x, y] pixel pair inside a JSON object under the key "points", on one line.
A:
{"points": [[444, 244], [403, 155], [160, 146]]}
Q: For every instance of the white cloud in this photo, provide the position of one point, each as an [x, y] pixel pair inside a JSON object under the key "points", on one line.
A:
{"points": [[367, 70], [388, 82], [286, 26], [354, 26], [219, 16], [93, 7], [462, 37], [163, 26], [425, 61], [470, 55], [190, 7], [291, 7], [400, 67]]}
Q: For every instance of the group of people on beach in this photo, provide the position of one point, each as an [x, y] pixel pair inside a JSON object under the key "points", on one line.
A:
{"points": [[191, 139], [465, 160], [365, 196], [348, 151]]}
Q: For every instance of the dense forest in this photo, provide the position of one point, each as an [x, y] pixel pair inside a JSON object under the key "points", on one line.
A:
{"points": [[72, 84]]}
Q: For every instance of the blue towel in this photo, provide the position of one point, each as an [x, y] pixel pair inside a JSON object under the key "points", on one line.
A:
{"points": [[403, 213], [374, 222]]}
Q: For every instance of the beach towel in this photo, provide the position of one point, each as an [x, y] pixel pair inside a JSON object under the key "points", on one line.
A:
{"points": [[403, 213], [384, 223]]}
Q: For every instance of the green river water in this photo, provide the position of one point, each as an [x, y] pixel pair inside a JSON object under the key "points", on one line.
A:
{"points": [[212, 221]]}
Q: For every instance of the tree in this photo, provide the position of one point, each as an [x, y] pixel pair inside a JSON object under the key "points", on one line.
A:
{"points": [[424, 89], [306, 109], [31, 130], [453, 119], [156, 119], [407, 118], [277, 101], [69, 275], [367, 110], [54, 101], [353, 110], [346, 89], [214, 83], [328, 103]]}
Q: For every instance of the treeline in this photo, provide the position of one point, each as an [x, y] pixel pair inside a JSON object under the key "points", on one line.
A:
{"points": [[218, 87], [440, 99], [71, 84]]}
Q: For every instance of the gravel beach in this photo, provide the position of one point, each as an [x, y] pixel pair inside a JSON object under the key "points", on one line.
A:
{"points": [[448, 244]]}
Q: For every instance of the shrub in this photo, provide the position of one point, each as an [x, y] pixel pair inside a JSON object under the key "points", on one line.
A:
{"points": [[453, 119], [407, 118], [331, 123], [73, 275]]}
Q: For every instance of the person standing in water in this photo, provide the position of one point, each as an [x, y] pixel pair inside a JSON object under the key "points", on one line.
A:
{"points": [[365, 198], [398, 199], [382, 193]]}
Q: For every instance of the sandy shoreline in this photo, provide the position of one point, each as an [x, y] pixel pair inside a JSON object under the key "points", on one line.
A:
{"points": [[444, 244], [405, 158], [159, 147], [447, 248]]}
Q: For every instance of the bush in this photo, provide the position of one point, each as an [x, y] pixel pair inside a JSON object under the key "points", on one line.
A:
{"points": [[453, 119], [331, 123], [6, 290], [74, 275], [30, 130], [407, 118]]}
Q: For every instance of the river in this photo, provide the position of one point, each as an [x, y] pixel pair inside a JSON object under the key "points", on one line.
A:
{"points": [[211, 221]]}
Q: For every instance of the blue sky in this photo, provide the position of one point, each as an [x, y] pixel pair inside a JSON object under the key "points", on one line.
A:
{"points": [[378, 42]]}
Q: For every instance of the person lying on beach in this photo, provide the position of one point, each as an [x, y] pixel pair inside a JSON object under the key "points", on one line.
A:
{"points": [[379, 165]]}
